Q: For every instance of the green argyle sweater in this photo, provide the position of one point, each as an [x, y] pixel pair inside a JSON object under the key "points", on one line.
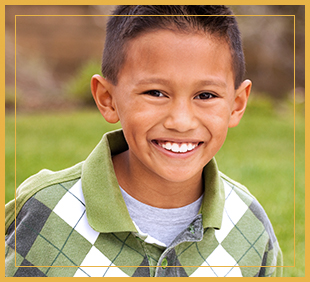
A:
{"points": [[75, 223]]}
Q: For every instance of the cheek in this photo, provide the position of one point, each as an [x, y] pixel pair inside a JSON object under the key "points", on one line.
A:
{"points": [[139, 116], [217, 118], [135, 125], [216, 122]]}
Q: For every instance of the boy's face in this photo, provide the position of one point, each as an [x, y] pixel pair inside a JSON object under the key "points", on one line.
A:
{"points": [[175, 99]]}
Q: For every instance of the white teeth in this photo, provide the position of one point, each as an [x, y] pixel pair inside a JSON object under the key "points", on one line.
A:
{"points": [[178, 147], [168, 146], [175, 148], [183, 148]]}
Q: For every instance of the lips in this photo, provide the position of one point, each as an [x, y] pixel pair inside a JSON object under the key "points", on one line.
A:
{"points": [[177, 147]]}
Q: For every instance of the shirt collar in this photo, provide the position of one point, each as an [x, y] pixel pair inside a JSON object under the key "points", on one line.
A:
{"points": [[105, 207], [212, 207]]}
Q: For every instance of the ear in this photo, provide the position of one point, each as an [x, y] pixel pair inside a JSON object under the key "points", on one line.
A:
{"points": [[240, 102], [101, 89]]}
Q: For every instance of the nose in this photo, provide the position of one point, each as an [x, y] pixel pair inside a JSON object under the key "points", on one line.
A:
{"points": [[181, 117]]}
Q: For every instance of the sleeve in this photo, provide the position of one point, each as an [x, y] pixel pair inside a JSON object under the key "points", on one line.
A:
{"points": [[274, 261], [34, 184], [279, 268], [26, 216], [20, 237]]}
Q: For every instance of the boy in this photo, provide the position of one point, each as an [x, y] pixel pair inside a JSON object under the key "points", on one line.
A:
{"points": [[149, 200]]}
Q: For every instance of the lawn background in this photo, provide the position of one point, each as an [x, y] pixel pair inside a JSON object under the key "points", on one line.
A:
{"points": [[259, 153]]}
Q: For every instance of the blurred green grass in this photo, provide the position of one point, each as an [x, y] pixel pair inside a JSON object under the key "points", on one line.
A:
{"points": [[259, 153]]}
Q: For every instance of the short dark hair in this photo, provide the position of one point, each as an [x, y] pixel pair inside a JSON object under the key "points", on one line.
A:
{"points": [[128, 22]]}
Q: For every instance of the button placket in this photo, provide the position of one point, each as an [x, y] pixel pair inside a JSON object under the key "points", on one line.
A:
{"points": [[193, 233], [164, 263]]}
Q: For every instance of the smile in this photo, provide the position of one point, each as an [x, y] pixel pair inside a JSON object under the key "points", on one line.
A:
{"points": [[178, 147]]}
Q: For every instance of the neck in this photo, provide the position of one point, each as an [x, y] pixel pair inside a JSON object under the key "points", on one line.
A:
{"points": [[153, 190]]}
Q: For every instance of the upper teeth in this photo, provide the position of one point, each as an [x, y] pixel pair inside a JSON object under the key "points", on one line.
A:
{"points": [[178, 147]]}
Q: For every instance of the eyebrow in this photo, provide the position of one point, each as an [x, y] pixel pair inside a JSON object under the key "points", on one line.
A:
{"points": [[153, 80], [200, 83], [215, 82]]}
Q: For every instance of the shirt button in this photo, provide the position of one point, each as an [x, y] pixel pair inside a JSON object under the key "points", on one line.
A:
{"points": [[164, 263]]}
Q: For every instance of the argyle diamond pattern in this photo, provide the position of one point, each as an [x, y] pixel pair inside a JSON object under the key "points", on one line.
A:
{"points": [[89, 253]]}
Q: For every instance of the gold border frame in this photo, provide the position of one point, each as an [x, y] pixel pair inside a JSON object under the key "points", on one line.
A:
{"points": [[79, 2]]}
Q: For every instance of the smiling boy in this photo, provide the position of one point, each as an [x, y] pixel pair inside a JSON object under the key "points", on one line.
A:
{"points": [[150, 196], [175, 103]]}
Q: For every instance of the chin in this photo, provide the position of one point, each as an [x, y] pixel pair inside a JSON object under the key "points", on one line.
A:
{"points": [[177, 176]]}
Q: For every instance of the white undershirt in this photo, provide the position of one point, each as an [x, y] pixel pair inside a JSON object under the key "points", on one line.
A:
{"points": [[161, 224]]}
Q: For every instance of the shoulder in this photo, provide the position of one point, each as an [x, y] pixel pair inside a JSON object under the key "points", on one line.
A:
{"points": [[240, 195], [235, 184], [251, 223], [247, 198], [42, 226], [47, 185]]}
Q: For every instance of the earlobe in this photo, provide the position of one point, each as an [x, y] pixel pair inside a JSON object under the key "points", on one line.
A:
{"points": [[101, 90], [240, 102]]}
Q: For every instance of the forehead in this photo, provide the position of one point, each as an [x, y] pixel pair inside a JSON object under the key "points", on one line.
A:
{"points": [[174, 35], [177, 54]]}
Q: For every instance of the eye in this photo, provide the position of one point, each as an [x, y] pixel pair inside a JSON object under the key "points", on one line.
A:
{"points": [[154, 93], [205, 96]]}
